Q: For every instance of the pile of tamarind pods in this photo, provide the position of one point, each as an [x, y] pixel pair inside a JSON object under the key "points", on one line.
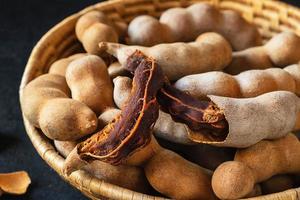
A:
{"points": [[193, 106]]}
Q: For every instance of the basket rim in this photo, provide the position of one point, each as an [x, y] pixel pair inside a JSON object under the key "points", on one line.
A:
{"points": [[26, 78]]}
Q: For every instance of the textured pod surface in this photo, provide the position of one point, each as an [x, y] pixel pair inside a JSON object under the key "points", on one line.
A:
{"points": [[281, 51], [95, 27], [209, 52], [164, 170], [235, 179], [66, 119], [89, 82], [247, 84], [47, 105], [185, 24]]}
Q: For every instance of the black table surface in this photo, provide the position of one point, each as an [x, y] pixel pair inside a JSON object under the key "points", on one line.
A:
{"points": [[22, 23]]}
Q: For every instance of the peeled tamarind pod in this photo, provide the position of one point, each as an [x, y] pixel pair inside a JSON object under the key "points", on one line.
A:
{"points": [[90, 83], [235, 179], [250, 120], [282, 50], [165, 127], [128, 140], [277, 183], [125, 176], [46, 104], [185, 24], [247, 84], [94, 27], [209, 52], [60, 66]]}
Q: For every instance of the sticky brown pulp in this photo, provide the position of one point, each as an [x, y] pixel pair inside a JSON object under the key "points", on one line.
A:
{"points": [[132, 129]]}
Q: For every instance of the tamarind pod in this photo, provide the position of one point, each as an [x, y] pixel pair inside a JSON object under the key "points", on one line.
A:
{"points": [[185, 24], [209, 52], [282, 50], [235, 179]]}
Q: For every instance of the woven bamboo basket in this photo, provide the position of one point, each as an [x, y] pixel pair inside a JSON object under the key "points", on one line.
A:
{"points": [[270, 17]]}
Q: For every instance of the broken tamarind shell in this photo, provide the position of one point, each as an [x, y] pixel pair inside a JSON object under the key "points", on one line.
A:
{"points": [[14, 183], [132, 129]]}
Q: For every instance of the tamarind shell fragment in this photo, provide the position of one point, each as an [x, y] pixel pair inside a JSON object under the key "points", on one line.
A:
{"points": [[132, 129]]}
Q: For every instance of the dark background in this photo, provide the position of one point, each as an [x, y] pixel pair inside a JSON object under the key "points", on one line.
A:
{"points": [[22, 23]]}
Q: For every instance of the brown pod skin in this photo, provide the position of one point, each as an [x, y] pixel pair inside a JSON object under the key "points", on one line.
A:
{"points": [[247, 84], [78, 119], [277, 183], [94, 27], [46, 104], [185, 24], [280, 51], [235, 179], [128, 140], [166, 168], [60, 66], [209, 52], [89, 82]]}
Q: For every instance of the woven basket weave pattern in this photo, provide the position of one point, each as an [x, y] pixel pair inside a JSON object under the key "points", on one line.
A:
{"points": [[271, 17]]}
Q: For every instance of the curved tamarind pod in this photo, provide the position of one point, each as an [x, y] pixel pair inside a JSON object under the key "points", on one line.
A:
{"points": [[247, 84], [234, 179], [94, 27], [90, 83], [185, 24], [128, 140], [46, 104], [282, 50], [209, 52], [165, 127]]}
